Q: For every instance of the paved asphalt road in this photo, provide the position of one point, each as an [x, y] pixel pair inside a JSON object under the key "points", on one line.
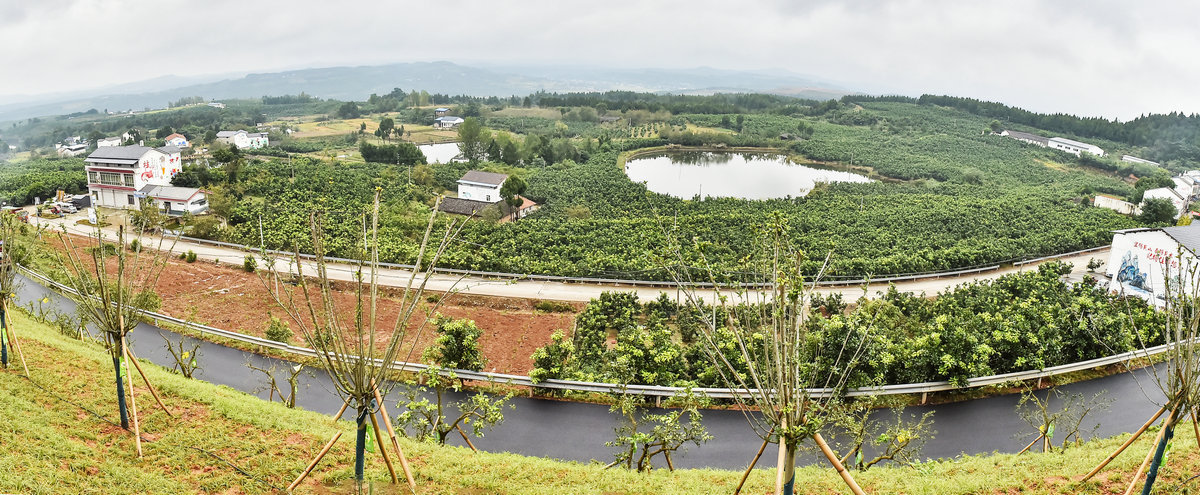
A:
{"points": [[559, 291], [577, 431]]}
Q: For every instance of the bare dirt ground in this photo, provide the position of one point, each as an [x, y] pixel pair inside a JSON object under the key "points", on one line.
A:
{"points": [[230, 298]]}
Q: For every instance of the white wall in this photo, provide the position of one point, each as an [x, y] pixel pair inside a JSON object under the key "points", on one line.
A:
{"points": [[1141, 262], [478, 193], [1167, 194], [1123, 207]]}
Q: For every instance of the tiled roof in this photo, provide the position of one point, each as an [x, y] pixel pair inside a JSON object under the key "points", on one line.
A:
{"points": [[462, 206], [481, 177]]}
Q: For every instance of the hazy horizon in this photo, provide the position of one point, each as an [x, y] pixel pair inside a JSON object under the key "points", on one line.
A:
{"points": [[1108, 59]]}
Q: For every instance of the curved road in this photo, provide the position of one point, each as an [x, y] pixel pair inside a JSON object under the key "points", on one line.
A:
{"points": [[559, 291], [577, 431]]}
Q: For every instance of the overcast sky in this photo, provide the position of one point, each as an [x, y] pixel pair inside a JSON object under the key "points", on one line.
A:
{"points": [[1111, 58]]}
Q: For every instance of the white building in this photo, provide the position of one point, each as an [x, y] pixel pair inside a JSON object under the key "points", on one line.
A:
{"points": [[177, 140], [447, 122], [1141, 261], [1169, 194], [118, 175], [1026, 137], [1134, 159], [216, 104], [1116, 204], [1186, 186], [244, 140], [69, 150], [481, 186], [109, 141], [176, 200], [1073, 147]]}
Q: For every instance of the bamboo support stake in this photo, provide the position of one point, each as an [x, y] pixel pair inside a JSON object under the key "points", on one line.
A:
{"points": [[137, 433], [1149, 455], [387, 459], [1196, 427], [752, 463], [1027, 447], [412, 483], [13, 338], [341, 411], [314, 462], [153, 392], [468, 440], [837, 464], [1127, 443]]}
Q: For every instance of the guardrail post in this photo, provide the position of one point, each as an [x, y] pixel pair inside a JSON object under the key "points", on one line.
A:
{"points": [[924, 397]]}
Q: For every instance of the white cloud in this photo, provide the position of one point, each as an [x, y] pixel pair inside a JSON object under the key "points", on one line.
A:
{"points": [[1110, 58]]}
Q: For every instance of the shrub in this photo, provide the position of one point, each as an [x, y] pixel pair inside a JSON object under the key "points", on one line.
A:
{"points": [[135, 246], [249, 264], [189, 256], [278, 330], [553, 307]]}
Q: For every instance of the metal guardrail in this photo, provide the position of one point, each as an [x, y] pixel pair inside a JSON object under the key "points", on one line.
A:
{"points": [[661, 391], [634, 282], [1063, 255]]}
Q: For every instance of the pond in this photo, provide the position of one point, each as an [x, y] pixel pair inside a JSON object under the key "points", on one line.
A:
{"points": [[440, 153], [730, 175]]}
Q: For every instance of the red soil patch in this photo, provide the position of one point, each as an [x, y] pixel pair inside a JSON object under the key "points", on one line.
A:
{"points": [[228, 297]]}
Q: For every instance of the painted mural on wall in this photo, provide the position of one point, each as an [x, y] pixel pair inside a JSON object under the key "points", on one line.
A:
{"points": [[1150, 265], [1131, 276]]}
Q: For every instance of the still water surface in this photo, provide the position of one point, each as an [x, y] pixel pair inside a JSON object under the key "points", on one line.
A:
{"points": [[730, 175]]}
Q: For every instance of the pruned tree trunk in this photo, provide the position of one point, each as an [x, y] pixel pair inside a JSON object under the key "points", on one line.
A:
{"points": [[1169, 427], [120, 393], [360, 445]]}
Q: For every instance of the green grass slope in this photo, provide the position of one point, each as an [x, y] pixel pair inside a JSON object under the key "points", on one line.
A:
{"points": [[53, 443]]}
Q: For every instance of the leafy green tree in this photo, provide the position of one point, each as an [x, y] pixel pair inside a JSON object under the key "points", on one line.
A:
{"points": [[511, 191], [386, 127], [1157, 211], [457, 345], [509, 154], [641, 436], [349, 110], [471, 137], [553, 360], [163, 132], [434, 421]]}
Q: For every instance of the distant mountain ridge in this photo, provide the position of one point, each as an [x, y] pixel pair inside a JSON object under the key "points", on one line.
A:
{"points": [[356, 83]]}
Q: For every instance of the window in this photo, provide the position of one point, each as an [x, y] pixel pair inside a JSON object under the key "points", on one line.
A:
{"points": [[128, 179], [93, 177], [110, 179], [130, 197], [488, 197]]}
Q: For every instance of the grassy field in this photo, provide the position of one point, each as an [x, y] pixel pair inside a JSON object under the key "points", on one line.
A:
{"points": [[55, 446]]}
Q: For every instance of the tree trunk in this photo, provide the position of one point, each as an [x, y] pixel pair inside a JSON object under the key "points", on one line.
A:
{"points": [[121, 394], [360, 445], [786, 480], [3, 339], [1158, 456]]}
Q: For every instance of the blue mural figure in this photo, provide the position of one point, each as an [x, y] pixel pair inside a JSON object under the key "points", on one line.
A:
{"points": [[1130, 274]]}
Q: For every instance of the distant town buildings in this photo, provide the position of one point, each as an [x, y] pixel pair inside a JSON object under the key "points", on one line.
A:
{"points": [[108, 141]]}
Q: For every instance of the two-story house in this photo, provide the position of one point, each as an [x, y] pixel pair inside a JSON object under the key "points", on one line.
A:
{"points": [[120, 176]]}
